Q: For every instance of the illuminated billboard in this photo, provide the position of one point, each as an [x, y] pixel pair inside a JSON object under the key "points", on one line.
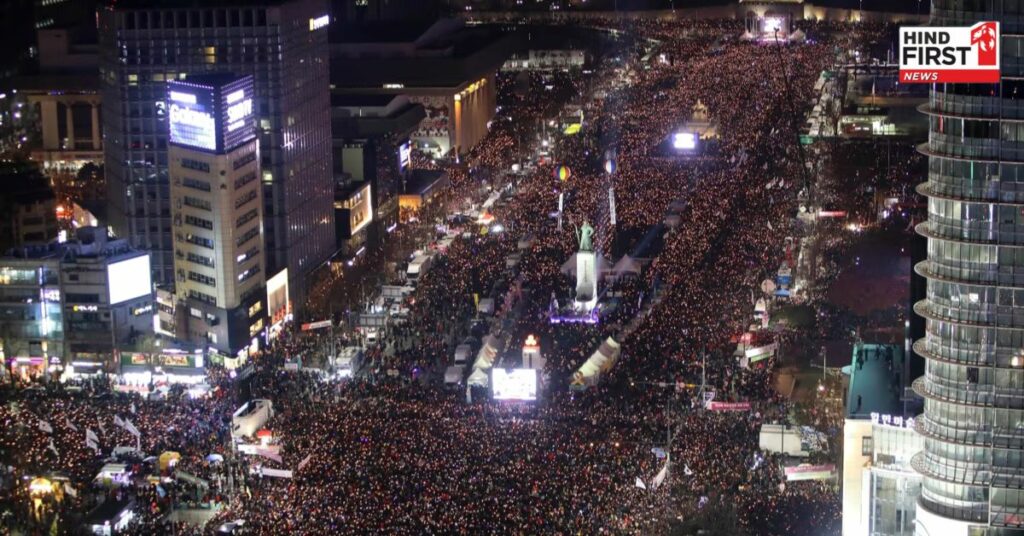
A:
{"points": [[319, 22], [191, 118], [278, 300], [214, 113], [360, 209], [129, 279], [238, 123], [514, 384]]}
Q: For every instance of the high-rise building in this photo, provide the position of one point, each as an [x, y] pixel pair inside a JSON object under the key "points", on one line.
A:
{"points": [[973, 458], [217, 211], [283, 45]]}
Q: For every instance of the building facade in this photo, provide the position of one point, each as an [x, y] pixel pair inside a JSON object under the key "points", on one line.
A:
{"points": [[217, 212], [283, 45], [32, 331], [74, 304], [972, 462]]}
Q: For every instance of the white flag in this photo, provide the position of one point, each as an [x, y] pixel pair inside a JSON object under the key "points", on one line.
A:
{"points": [[71, 425], [103, 430], [269, 454], [93, 445], [70, 490], [640, 483], [131, 428], [304, 461], [133, 408], [660, 477], [45, 426], [53, 447], [91, 436], [118, 421], [687, 471]]}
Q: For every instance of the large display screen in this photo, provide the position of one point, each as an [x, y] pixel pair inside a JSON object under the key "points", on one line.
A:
{"points": [[514, 384], [404, 156], [361, 209], [685, 141], [191, 116], [278, 300], [211, 114], [129, 279], [238, 124]]}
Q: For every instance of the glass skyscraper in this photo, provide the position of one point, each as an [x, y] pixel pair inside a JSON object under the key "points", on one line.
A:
{"points": [[973, 423], [283, 45]]}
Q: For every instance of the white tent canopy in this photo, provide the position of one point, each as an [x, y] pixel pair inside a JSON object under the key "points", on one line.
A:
{"points": [[478, 378], [629, 265], [600, 362], [488, 352]]}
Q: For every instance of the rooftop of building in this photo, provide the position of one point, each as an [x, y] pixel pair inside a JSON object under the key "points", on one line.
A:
{"points": [[364, 100], [89, 243], [403, 31], [344, 190], [875, 381], [444, 54], [422, 181], [361, 115], [210, 80]]}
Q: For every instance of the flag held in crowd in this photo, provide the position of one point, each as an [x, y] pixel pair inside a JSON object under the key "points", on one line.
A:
{"points": [[269, 454], [131, 428], [660, 477], [45, 426]]}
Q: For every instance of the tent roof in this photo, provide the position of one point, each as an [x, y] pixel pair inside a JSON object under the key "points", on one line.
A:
{"points": [[629, 264], [478, 378]]}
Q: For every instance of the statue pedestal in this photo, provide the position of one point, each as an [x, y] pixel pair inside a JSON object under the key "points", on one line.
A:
{"points": [[586, 282]]}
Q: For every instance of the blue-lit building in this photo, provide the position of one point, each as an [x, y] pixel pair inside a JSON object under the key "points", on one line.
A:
{"points": [[282, 44]]}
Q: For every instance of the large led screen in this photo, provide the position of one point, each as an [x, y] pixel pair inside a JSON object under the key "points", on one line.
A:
{"points": [[238, 124], [684, 141], [191, 116], [129, 279], [514, 384]]}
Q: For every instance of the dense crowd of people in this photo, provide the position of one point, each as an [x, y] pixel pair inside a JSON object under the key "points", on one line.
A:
{"points": [[384, 453]]}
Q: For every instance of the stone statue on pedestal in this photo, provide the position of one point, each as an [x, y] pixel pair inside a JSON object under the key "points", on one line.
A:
{"points": [[585, 236]]}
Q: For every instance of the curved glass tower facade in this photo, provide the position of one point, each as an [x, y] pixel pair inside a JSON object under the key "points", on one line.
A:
{"points": [[973, 423]]}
